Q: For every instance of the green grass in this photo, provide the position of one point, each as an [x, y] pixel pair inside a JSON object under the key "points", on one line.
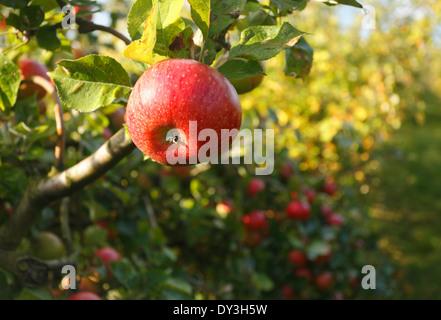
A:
{"points": [[406, 203]]}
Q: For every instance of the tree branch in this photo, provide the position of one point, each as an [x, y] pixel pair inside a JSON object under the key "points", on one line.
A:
{"points": [[85, 26], [41, 193]]}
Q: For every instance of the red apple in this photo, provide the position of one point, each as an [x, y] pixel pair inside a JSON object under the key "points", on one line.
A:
{"points": [[30, 68], [323, 258], [112, 233], [326, 210], [3, 23], [256, 220], [252, 237], [336, 219], [287, 292], [117, 117], [330, 187], [287, 171], [169, 95], [108, 255], [297, 258], [310, 195], [78, 9], [303, 273], [107, 133], [182, 172], [247, 84], [353, 281], [324, 281], [298, 210], [89, 284], [255, 186], [84, 295]]}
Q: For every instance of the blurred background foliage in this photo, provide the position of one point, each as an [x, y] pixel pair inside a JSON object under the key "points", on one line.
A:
{"points": [[366, 117]]}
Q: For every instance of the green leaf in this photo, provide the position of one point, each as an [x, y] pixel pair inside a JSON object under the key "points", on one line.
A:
{"points": [[16, 4], [124, 272], [209, 52], [178, 285], [223, 14], [46, 5], [31, 17], [137, 16], [157, 23], [214, 16], [351, 3], [96, 210], [299, 59], [40, 293], [317, 248], [91, 82], [9, 82], [169, 24], [182, 45], [239, 68], [47, 38], [200, 13], [142, 50], [13, 20], [94, 236], [284, 5], [263, 282], [265, 42]]}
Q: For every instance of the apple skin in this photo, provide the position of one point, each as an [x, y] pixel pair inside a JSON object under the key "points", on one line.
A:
{"points": [[287, 292], [247, 84], [287, 171], [298, 210], [84, 295], [30, 68], [256, 220], [107, 255], [330, 187], [48, 246], [169, 95], [326, 210], [255, 186], [323, 258], [297, 258], [3, 24], [303, 273], [324, 281], [310, 195], [336, 219]]}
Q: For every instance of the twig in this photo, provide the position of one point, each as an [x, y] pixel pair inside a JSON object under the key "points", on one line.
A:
{"points": [[65, 227], [58, 112], [85, 26], [150, 212]]}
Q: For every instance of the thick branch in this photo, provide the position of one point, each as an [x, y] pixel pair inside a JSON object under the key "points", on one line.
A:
{"points": [[41, 193], [88, 170], [31, 271]]}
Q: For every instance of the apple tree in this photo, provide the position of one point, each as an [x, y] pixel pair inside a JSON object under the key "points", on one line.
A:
{"points": [[82, 181]]}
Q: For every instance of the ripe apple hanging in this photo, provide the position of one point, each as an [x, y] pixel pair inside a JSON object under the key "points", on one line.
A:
{"points": [[171, 94]]}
